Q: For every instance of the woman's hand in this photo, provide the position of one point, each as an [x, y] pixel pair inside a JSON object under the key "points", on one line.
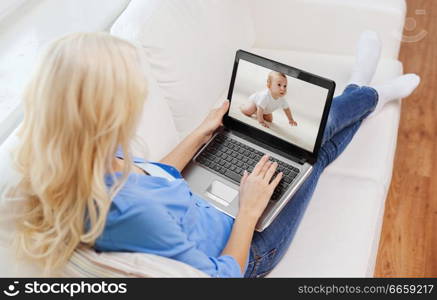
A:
{"points": [[212, 121], [256, 189], [185, 150]]}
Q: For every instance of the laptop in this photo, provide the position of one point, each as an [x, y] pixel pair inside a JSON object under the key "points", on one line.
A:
{"points": [[216, 169]]}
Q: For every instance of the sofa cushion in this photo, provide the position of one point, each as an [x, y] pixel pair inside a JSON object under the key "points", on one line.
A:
{"points": [[327, 26], [10, 266], [156, 133], [339, 232], [191, 45], [86, 262]]}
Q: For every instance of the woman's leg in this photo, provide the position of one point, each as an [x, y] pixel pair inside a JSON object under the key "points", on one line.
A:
{"points": [[355, 104], [269, 246], [346, 115]]}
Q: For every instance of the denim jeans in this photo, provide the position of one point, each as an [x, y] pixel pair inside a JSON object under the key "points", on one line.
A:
{"points": [[346, 114]]}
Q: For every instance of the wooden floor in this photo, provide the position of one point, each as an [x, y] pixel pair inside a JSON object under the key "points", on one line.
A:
{"points": [[408, 246]]}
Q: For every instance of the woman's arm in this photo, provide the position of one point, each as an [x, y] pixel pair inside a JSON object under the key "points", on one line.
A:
{"points": [[255, 193], [185, 150], [240, 239]]}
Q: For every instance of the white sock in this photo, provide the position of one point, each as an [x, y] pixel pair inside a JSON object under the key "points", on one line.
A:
{"points": [[366, 58], [398, 88]]}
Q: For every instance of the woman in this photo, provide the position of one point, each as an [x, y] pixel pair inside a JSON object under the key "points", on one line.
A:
{"points": [[82, 185]]}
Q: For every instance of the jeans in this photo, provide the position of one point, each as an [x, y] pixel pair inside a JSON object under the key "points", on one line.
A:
{"points": [[346, 114]]}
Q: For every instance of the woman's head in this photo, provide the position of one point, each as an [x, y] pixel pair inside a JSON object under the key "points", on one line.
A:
{"points": [[83, 102], [89, 86]]}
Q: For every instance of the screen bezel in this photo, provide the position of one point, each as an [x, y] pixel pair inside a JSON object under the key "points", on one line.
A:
{"points": [[264, 137]]}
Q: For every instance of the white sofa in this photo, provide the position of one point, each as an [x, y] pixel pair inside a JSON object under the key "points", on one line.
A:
{"points": [[190, 45]]}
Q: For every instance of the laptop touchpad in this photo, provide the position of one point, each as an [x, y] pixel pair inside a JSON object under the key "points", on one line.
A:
{"points": [[221, 193]]}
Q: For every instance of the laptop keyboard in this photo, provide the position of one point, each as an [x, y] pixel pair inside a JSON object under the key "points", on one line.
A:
{"points": [[230, 158]]}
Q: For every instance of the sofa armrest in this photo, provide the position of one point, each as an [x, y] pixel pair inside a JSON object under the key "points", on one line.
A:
{"points": [[86, 262], [328, 26]]}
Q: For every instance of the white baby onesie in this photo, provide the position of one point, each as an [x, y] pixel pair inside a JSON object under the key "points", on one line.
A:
{"points": [[265, 100]]}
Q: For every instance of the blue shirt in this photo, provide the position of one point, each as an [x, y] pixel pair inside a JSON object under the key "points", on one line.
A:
{"points": [[151, 214]]}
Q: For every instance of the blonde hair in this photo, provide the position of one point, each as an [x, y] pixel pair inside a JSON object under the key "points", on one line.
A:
{"points": [[83, 102]]}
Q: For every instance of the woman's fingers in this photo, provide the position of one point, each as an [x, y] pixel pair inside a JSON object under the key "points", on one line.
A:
{"points": [[223, 108], [244, 178], [260, 164], [264, 169], [276, 180], [270, 171], [220, 112]]}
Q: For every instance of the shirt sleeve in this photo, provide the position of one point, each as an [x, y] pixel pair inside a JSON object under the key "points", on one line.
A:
{"points": [[153, 230]]}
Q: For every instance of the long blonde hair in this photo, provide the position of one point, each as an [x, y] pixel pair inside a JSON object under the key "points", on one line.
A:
{"points": [[83, 102]]}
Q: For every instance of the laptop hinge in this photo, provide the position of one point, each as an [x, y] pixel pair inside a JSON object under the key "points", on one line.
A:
{"points": [[301, 160]]}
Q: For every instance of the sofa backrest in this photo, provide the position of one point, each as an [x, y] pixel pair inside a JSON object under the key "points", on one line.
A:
{"points": [[9, 265], [27, 26], [86, 262], [201, 36], [335, 24]]}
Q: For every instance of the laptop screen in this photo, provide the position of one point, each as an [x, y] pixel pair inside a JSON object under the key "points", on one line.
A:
{"points": [[284, 106]]}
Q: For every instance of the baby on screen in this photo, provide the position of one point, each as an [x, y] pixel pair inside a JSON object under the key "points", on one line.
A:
{"points": [[265, 102]]}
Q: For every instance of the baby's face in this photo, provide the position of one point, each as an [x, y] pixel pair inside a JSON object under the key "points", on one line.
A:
{"points": [[278, 86]]}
